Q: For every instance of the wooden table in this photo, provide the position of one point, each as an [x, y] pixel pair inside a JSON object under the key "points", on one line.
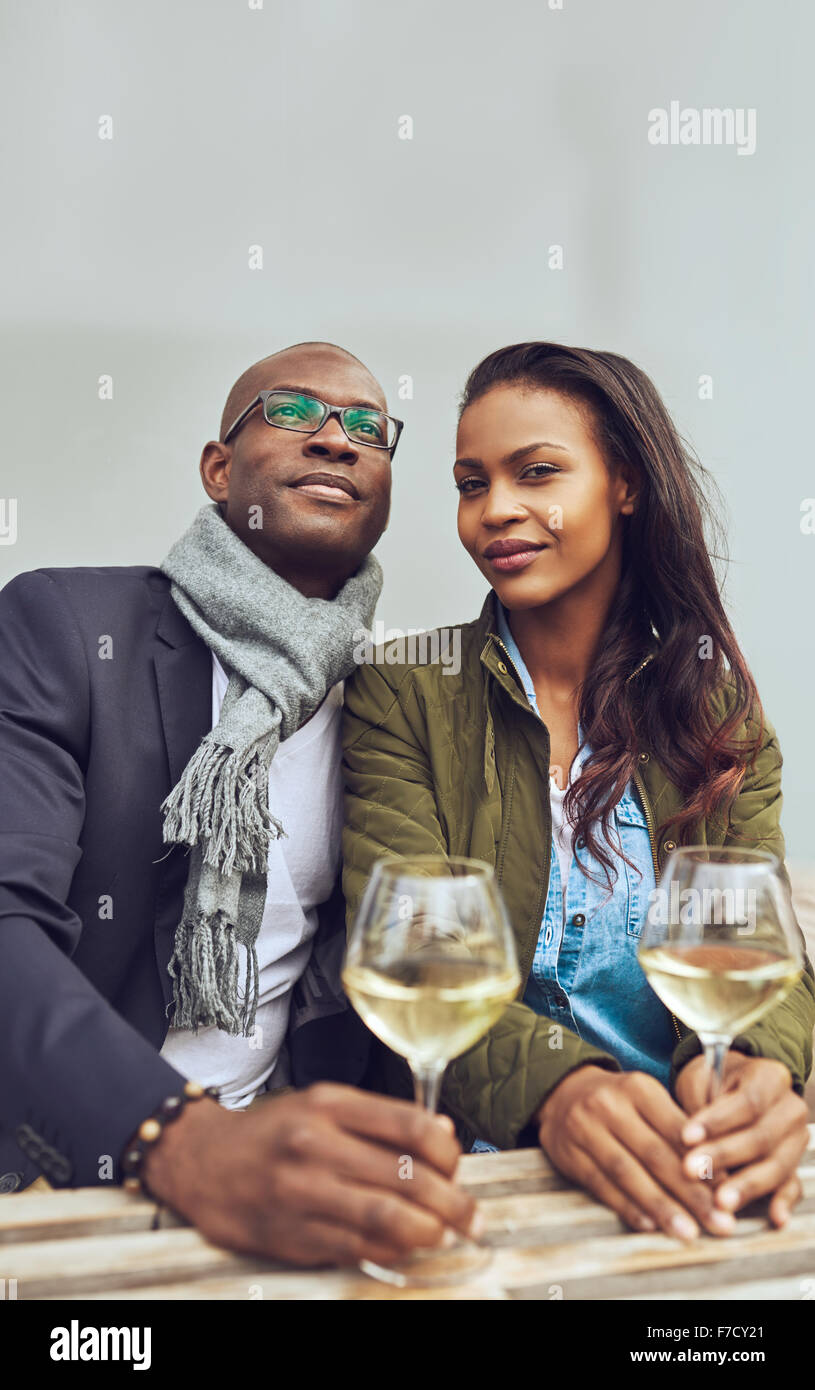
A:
{"points": [[551, 1241]]}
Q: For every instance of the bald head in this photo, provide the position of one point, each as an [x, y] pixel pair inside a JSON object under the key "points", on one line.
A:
{"points": [[290, 366]]}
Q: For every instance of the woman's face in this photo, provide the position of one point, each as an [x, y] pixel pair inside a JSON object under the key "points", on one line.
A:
{"points": [[538, 507]]}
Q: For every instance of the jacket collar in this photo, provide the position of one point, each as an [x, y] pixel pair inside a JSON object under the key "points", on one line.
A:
{"points": [[172, 626], [493, 651], [183, 666]]}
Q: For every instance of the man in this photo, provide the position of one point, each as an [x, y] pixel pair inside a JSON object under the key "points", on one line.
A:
{"points": [[197, 706]]}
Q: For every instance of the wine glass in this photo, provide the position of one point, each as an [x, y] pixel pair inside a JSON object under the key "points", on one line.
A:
{"points": [[430, 966], [720, 945]]}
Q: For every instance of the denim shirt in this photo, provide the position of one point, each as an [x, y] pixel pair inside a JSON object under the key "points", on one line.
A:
{"points": [[585, 973]]}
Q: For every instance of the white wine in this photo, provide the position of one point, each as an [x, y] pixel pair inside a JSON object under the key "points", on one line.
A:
{"points": [[430, 1007], [718, 988]]}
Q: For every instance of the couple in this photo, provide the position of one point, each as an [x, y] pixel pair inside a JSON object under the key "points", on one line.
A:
{"points": [[172, 1017]]}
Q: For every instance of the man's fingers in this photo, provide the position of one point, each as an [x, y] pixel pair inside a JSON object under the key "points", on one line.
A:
{"points": [[401, 1124], [325, 1148], [318, 1242], [747, 1145], [380, 1216], [760, 1178], [412, 1180]]}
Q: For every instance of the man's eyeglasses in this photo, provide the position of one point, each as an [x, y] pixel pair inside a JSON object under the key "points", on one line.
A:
{"points": [[289, 410]]}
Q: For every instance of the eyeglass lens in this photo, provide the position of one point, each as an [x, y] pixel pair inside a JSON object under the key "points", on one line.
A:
{"points": [[292, 411]]}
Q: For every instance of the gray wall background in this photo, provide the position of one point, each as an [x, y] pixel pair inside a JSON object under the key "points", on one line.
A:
{"points": [[279, 126]]}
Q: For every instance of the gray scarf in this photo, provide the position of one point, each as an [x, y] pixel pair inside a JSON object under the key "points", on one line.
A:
{"points": [[282, 653]]}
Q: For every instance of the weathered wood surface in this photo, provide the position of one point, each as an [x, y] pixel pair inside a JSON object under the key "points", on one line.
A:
{"points": [[551, 1241]]}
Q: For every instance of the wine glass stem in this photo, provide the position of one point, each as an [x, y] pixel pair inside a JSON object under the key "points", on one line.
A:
{"points": [[715, 1051], [427, 1085]]}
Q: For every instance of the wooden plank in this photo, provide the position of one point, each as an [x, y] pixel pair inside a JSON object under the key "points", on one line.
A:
{"points": [[544, 1209], [716, 1281], [525, 1271], [93, 1264], [97, 1210], [511, 1166], [793, 1286], [548, 1234], [527, 1267], [308, 1286], [83, 1211]]}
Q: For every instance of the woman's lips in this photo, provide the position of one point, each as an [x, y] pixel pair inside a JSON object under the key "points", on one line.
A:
{"points": [[516, 561]]}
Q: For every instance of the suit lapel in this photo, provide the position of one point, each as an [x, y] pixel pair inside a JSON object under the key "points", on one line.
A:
{"points": [[184, 679], [183, 666]]}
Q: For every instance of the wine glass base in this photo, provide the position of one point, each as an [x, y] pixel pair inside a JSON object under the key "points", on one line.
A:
{"points": [[435, 1267]]}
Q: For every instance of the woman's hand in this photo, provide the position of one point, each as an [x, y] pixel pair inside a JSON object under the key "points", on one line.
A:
{"points": [[618, 1135], [757, 1125]]}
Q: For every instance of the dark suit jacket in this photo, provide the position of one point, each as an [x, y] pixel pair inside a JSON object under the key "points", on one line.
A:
{"points": [[105, 692]]}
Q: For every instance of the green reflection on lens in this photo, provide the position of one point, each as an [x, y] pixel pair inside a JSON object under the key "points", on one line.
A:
{"points": [[293, 411], [368, 426]]}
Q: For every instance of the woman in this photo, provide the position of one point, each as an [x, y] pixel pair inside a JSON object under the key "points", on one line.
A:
{"points": [[592, 699]]}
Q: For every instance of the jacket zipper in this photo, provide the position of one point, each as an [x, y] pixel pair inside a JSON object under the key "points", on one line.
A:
{"points": [[646, 806], [649, 820], [512, 664]]}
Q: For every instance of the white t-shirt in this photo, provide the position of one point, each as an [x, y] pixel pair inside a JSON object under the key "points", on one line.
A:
{"points": [[305, 794], [563, 830]]}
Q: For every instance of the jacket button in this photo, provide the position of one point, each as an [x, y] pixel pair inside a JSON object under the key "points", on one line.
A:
{"points": [[502, 668], [645, 757], [669, 845], [578, 920], [9, 1182]]}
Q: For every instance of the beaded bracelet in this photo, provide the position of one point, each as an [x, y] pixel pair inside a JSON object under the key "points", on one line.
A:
{"points": [[150, 1130]]}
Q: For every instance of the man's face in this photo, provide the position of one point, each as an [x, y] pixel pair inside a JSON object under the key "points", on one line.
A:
{"points": [[299, 528]]}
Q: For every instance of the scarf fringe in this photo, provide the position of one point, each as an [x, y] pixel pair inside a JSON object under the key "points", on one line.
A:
{"points": [[289, 650], [204, 968], [222, 799]]}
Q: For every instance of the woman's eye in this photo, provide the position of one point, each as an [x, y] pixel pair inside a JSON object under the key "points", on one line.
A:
{"points": [[467, 486], [543, 469]]}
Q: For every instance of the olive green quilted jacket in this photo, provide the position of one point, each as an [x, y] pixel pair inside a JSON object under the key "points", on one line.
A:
{"points": [[442, 763]]}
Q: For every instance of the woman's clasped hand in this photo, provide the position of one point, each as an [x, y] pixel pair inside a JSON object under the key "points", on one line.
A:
{"points": [[686, 1167]]}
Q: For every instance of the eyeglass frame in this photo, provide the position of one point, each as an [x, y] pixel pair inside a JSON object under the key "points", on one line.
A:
{"points": [[332, 411]]}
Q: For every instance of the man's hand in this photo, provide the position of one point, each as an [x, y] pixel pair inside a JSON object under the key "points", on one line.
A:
{"points": [[757, 1125], [619, 1135], [327, 1175]]}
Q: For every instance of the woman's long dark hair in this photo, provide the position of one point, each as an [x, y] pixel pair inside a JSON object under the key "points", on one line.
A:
{"points": [[668, 587]]}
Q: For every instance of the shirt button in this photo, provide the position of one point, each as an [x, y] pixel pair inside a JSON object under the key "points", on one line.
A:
{"points": [[578, 920], [9, 1182]]}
